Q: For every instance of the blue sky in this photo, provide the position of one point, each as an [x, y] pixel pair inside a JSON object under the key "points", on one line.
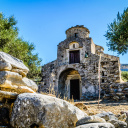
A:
{"points": [[44, 22]]}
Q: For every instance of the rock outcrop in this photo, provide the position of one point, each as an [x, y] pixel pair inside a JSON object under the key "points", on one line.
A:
{"points": [[45, 111], [13, 80]]}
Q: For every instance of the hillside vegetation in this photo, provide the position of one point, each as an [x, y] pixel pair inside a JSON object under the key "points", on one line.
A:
{"points": [[124, 76]]}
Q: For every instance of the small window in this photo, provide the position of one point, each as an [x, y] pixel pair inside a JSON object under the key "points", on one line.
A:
{"points": [[102, 73], [73, 45], [76, 35], [102, 80]]}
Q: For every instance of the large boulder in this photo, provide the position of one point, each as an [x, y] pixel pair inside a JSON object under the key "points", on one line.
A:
{"points": [[46, 111], [96, 125], [90, 119]]}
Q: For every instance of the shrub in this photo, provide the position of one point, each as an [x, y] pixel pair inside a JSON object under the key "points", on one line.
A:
{"points": [[124, 76]]}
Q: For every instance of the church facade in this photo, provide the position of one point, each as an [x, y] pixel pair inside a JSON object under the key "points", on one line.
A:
{"points": [[74, 74]]}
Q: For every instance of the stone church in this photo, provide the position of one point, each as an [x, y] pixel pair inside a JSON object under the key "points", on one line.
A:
{"points": [[74, 74]]}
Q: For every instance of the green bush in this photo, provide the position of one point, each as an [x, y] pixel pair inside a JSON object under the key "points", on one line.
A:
{"points": [[124, 76], [17, 47]]}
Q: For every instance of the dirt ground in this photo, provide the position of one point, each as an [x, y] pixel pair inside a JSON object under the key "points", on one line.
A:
{"points": [[91, 107]]}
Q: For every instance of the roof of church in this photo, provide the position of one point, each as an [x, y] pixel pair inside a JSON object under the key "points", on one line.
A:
{"points": [[79, 26]]}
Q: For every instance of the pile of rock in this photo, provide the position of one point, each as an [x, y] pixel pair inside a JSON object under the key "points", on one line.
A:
{"points": [[118, 92], [111, 118], [13, 80], [104, 120]]}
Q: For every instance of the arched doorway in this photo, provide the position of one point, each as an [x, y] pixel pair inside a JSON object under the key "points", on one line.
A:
{"points": [[69, 84]]}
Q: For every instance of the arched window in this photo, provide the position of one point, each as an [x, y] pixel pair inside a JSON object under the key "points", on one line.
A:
{"points": [[73, 45]]}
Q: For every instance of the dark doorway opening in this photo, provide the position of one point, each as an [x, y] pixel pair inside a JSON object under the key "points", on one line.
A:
{"points": [[74, 57], [74, 89], [63, 86], [34, 126], [4, 116]]}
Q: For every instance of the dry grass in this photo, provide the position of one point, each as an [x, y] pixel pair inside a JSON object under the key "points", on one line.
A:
{"points": [[81, 106], [53, 93], [92, 107]]}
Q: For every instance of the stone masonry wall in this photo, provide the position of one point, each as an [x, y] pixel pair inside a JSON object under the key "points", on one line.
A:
{"points": [[89, 75]]}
